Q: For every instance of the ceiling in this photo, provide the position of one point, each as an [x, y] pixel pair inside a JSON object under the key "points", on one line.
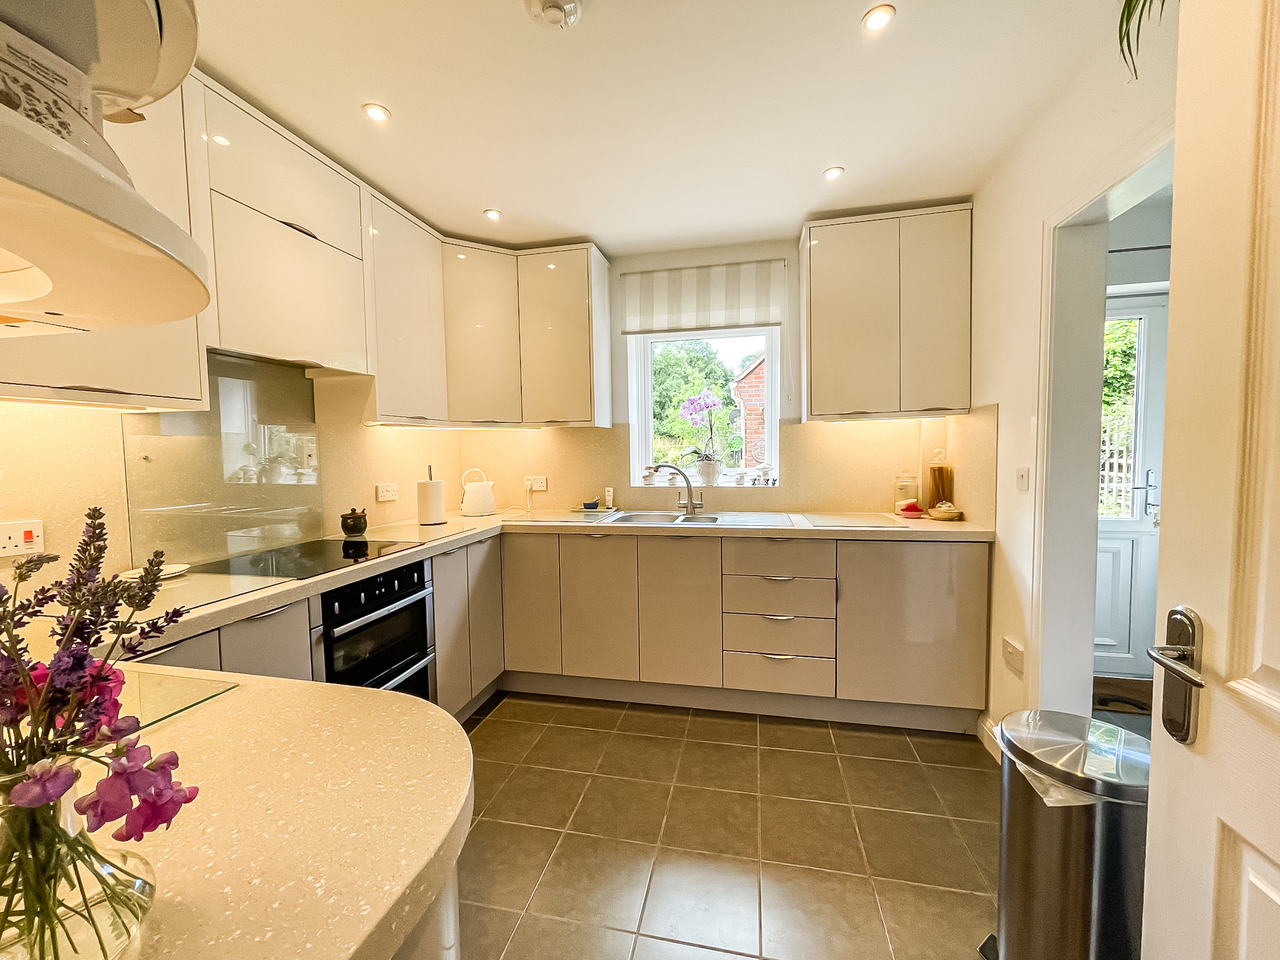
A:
{"points": [[653, 124]]}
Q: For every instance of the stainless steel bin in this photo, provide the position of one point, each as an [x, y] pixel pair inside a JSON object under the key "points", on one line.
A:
{"points": [[1073, 844]]}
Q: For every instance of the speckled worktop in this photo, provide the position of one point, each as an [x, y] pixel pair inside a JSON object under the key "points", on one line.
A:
{"points": [[329, 819], [215, 600]]}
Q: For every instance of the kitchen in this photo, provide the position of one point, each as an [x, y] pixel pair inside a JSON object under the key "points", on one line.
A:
{"points": [[672, 695]]}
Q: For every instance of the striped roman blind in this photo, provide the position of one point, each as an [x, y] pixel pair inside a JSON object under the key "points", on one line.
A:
{"points": [[706, 298]]}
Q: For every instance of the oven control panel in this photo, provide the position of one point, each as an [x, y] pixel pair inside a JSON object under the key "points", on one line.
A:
{"points": [[356, 599]]}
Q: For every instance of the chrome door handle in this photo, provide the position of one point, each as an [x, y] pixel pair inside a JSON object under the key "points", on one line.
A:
{"points": [[1171, 659], [1180, 658]]}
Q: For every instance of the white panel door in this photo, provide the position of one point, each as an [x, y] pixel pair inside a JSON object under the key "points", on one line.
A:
{"points": [[555, 337], [482, 335], [1213, 841], [936, 267], [1113, 615], [408, 286], [285, 295], [853, 318]]}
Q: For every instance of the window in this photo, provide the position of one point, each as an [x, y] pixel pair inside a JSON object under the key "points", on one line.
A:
{"points": [[1119, 417], [707, 401]]}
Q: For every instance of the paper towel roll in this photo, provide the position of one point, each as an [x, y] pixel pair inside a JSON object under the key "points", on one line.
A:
{"points": [[430, 502]]}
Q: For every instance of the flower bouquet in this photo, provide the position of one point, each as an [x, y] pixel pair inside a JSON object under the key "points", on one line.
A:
{"points": [[58, 893], [697, 411]]}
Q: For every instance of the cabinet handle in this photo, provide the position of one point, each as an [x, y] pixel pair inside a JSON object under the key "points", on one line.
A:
{"points": [[91, 387], [450, 553], [770, 617], [777, 578], [300, 228], [778, 656], [270, 613], [597, 536]]}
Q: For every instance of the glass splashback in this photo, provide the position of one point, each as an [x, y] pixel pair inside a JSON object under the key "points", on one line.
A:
{"points": [[241, 476]]}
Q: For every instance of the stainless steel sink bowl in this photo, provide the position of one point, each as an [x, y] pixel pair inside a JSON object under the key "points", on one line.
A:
{"points": [[743, 519], [648, 517]]}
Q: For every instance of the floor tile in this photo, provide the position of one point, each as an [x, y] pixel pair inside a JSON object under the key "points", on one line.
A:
{"points": [[568, 748], [641, 757], [983, 841], [814, 913], [485, 930], [806, 776], [723, 727], [952, 749], [504, 740], [623, 809], [657, 721], [542, 938], [862, 740], [894, 784], [538, 797], [713, 821], [501, 863], [595, 880], [530, 711], [585, 715], [490, 776], [724, 766], [917, 848], [810, 834], [704, 899], [793, 734], [650, 949], [930, 924], [971, 794]]}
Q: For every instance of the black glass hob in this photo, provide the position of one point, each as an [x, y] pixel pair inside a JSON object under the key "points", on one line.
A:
{"points": [[302, 560]]}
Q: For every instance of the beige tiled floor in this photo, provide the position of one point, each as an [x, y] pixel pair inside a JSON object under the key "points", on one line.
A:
{"points": [[627, 832]]}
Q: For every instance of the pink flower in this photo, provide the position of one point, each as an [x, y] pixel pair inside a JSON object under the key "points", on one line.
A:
{"points": [[110, 800], [159, 810], [46, 782]]}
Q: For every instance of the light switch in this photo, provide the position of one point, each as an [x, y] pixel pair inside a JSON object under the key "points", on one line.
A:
{"points": [[1024, 478]]}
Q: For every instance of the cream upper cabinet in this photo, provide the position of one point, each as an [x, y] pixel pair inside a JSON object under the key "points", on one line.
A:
{"points": [[453, 629], [531, 602], [265, 170], [679, 599], [887, 328], [482, 335], [283, 294], [563, 319], [484, 578], [600, 627], [408, 288]]}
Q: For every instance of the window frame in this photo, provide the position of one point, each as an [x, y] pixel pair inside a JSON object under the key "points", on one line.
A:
{"points": [[640, 392]]}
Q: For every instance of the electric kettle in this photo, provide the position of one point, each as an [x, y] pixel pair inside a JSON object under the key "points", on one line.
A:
{"points": [[477, 496]]}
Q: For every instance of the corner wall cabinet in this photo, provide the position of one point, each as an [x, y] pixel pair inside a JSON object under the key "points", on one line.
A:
{"points": [[887, 314], [482, 335]]}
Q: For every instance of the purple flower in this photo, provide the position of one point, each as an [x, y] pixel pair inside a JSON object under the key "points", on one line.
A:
{"points": [[154, 812], [110, 800], [695, 408], [46, 782]]}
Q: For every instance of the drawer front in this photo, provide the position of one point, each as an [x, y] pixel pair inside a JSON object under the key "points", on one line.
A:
{"points": [[797, 636], [780, 558], [786, 597], [809, 676]]}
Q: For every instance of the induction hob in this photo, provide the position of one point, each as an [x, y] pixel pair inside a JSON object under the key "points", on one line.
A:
{"points": [[301, 561]]}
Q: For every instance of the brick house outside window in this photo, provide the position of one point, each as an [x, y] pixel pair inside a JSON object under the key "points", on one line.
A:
{"points": [[748, 390]]}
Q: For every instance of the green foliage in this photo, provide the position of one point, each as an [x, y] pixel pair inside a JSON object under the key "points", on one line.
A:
{"points": [[1120, 366], [1119, 400], [1132, 13], [682, 369]]}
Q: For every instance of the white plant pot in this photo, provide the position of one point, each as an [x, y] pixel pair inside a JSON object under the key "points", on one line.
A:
{"points": [[709, 471]]}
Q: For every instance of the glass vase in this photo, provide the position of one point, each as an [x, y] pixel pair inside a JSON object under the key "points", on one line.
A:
{"points": [[60, 896]]}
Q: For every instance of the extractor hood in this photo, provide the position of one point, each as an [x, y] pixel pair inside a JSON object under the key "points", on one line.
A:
{"points": [[79, 247]]}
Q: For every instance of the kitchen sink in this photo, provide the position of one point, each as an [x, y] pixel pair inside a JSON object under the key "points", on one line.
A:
{"points": [[643, 518], [741, 519]]}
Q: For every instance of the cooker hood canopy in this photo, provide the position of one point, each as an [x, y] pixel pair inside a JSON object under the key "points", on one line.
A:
{"points": [[79, 247]]}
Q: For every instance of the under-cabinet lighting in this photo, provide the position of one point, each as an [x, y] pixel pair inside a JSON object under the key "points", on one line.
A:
{"points": [[376, 111], [877, 18], [493, 214], [833, 173]]}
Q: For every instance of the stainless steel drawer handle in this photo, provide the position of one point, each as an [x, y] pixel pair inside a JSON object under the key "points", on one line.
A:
{"points": [[1171, 659], [450, 553], [778, 656], [270, 613], [769, 616], [386, 611], [597, 536], [777, 578]]}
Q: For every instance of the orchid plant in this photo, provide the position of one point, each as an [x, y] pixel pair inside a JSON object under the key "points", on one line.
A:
{"points": [[696, 411], [59, 715]]}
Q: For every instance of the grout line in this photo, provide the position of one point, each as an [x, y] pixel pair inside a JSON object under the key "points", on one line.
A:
{"points": [[653, 867], [884, 924]]}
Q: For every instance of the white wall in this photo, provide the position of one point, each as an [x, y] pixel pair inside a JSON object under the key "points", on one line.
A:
{"points": [[1101, 128]]}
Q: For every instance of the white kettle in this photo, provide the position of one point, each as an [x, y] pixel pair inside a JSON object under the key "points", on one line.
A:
{"points": [[477, 496]]}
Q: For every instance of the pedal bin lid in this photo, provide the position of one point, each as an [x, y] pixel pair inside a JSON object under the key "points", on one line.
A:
{"points": [[1090, 755]]}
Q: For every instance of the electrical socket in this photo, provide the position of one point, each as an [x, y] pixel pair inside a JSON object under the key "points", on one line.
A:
{"points": [[538, 483], [1023, 478], [21, 536], [1013, 654], [388, 491]]}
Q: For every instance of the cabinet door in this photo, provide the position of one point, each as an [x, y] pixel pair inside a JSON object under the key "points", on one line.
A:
{"points": [[272, 644], [680, 630], [853, 318], [408, 290], [484, 572], [155, 154], [599, 621], [198, 653], [273, 175], [935, 311], [531, 602], [282, 294], [453, 635], [482, 335], [911, 625], [555, 337]]}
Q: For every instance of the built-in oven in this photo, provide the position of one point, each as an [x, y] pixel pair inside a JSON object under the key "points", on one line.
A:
{"points": [[379, 632]]}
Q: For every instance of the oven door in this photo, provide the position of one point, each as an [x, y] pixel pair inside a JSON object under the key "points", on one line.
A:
{"points": [[388, 648]]}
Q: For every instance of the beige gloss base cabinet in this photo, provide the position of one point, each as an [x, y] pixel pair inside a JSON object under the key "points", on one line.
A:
{"points": [[484, 593], [912, 623], [807, 676], [783, 635], [599, 620], [200, 652], [276, 643], [482, 335], [783, 597], [531, 602], [679, 599], [450, 586], [284, 295]]}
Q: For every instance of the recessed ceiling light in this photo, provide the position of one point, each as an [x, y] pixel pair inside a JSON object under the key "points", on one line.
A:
{"points": [[550, 266], [833, 173], [376, 111], [462, 256], [877, 18], [493, 214], [222, 140]]}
